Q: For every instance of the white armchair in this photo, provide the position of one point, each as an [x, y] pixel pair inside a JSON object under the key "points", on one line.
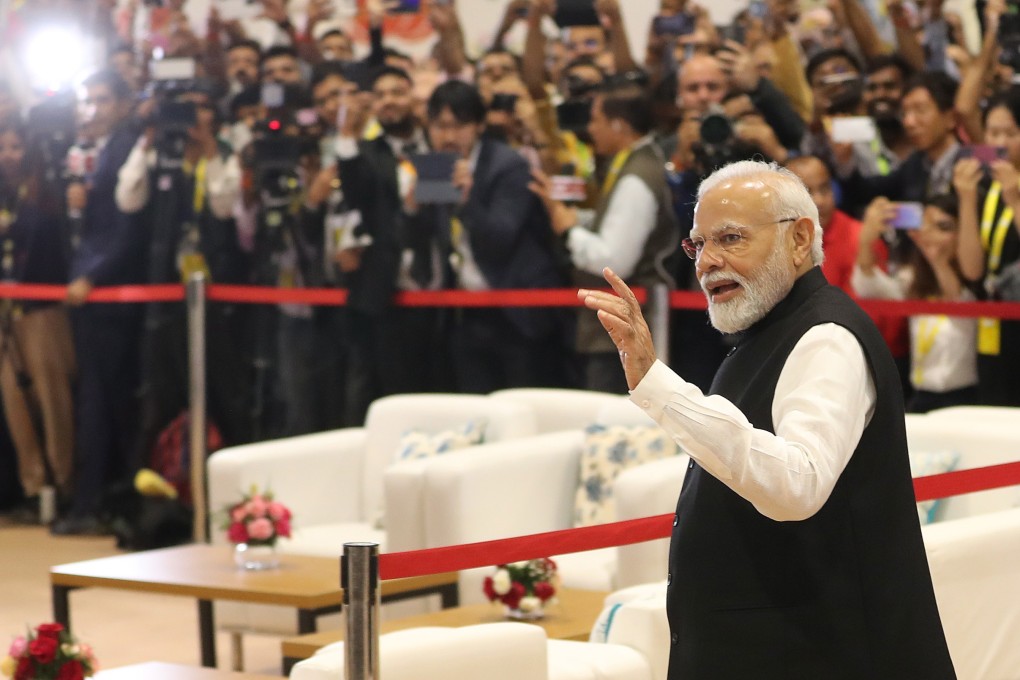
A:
{"points": [[332, 482]]}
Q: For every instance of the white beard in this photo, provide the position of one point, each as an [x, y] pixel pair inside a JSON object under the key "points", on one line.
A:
{"points": [[768, 285]]}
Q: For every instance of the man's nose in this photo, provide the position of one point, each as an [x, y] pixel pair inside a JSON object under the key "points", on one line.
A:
{"points": [[709, 258]]}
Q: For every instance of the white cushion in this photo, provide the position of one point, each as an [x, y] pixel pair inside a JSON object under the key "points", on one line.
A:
{"points": [[571, 660]]}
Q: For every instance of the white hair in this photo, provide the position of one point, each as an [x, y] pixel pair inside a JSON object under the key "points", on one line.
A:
{"points": [[789, 198]]}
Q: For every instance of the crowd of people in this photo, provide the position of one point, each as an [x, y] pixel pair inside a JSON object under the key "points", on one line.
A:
{"points": [[283, 150]]}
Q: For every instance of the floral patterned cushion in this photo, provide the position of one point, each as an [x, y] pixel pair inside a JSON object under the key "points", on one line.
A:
{"points": [[418, 444], [607, 452], [415, 444], [924, 463]]}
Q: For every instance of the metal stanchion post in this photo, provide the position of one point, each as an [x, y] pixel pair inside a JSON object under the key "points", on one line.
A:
{"points": [[658, 319], [196, 404], [359, 578]]}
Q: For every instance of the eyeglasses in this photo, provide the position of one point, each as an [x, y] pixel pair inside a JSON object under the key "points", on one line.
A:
{"points": [[731, 238]]}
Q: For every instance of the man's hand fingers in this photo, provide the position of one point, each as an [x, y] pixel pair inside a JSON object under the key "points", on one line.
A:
{"points": [[621, 288]]}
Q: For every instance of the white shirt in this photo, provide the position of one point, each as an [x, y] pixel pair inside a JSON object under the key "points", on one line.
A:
{"points": [[824, 399], [222, 181], [626, 225], [943, 349]]}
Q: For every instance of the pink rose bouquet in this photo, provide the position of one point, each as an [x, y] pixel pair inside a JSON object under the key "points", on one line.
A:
{"points": [[257, 519], [48, 653]]}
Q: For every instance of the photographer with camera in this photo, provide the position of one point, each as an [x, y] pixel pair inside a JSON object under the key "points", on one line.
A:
{"points": [[387, 245], [497, 237], [108, 250], [633, 229], [36, 350], [183, 184]]}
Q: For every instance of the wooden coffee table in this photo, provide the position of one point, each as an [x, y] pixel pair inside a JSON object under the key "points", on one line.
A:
{"points": [[571, 618], [155, 670], [207, 573]]}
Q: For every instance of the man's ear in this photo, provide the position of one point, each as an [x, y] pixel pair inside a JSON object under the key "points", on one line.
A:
{"points": [[803, 234]]}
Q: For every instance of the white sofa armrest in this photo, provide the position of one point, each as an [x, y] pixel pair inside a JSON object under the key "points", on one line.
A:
{"points": [[494, 651], [975, 569], [318, 476], [645, 491], [503, 489]]}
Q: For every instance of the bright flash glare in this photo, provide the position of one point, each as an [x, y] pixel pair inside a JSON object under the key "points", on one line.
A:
{"points": [[54, 57]]}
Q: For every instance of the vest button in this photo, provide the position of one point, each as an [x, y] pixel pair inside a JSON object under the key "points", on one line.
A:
{"points": [[690, 466], [674, 638], [676, 519], [669, 578]]}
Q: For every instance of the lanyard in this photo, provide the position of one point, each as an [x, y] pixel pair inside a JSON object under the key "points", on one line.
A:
{"points": [[614, 171], [200, 174], [9, 215], [928, 329], [880, 159], [994, 238]]}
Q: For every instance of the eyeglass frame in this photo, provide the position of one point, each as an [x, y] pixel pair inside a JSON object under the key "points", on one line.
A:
{"points": [[692, 251]]}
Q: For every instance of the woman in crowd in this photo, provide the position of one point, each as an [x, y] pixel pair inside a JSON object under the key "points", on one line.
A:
{"points": [[943, 369], [989, 243], [36, 354]]}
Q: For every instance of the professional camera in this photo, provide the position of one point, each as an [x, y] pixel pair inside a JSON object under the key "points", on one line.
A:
{"points": [[718, 144], [287, 133], [173, 116], [52, 125]]}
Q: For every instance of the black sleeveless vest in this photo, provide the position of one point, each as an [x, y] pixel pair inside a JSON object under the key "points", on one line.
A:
{"points": [[845, 593]]}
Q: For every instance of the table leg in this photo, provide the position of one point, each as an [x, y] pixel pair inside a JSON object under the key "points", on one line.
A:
{"points": [[62, 605], [449, 595], [307, 621], [207, 633]]}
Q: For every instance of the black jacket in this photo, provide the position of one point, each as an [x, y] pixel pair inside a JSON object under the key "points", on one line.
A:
{"points": [[844, 594]]}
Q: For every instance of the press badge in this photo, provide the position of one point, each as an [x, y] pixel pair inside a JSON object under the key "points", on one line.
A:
{"points": [[989, 336]]}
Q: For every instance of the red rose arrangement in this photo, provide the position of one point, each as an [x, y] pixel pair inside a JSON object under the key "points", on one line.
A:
{"points": [[257, 519], [48, 653], [524, 586]]}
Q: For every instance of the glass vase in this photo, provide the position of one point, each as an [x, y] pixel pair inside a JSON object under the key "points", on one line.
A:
{"points": [[256, 557], [517, 614]]}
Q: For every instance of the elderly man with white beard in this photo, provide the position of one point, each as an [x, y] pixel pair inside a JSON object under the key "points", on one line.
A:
{"points": [[796, 550]]}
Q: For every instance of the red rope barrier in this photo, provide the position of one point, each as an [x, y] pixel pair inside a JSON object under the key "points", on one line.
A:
{"points": [[502, 551], [560, 297], [959, 482]]}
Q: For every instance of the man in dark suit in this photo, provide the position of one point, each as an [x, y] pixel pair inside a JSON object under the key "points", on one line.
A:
{"points": [[107, 250], [796, 551], [385, 245], [499, 238]]}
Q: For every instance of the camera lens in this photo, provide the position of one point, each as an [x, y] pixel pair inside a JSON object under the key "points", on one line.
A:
{"points": [[716, 129]]}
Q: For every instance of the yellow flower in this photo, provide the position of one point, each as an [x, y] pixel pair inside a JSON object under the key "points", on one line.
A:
{"points": [[8, 666]]}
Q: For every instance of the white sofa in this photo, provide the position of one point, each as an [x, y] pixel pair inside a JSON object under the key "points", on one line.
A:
{"points": [[332, 482], [528, 486], [973, 551], [491, 651]]}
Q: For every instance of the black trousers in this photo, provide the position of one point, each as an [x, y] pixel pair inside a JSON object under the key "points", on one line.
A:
{"points": [[106, 344], [401, 350]]}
